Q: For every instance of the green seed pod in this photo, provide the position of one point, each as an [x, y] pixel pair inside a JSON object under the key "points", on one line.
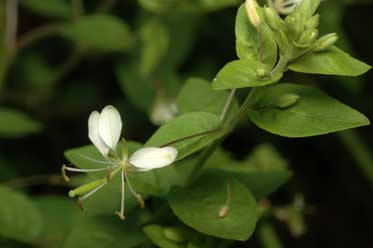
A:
{"points": [[273, 19], [307, 38], [325, 42], [173, 234], [313, 22], [287, 101]]}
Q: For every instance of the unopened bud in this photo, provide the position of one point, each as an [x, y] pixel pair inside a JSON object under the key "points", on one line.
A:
{"points": [[262, 73], [273, 19], [287, 101], [293, 27], [313, 22], [325, 42], [173, 234], [252, 13], [307, 38]]}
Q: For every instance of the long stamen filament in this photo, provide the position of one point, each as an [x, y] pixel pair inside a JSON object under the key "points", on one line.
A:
{"points": [[65, 168], [121, 213], [138, 197]]}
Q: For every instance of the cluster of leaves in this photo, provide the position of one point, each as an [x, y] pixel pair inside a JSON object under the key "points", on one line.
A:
{"points": [[185, 202]]}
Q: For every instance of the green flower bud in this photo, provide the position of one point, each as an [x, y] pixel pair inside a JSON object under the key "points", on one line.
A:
{"points": [[287, 101], [252, 13], [325, 42], [262, 73], [173, 234], [307, 38], [273, 19], [313, 22], [308, 7], [293, 26]]}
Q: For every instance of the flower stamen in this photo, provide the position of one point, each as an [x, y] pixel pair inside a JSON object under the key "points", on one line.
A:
{"points": [[138, 197], [121, 213]]}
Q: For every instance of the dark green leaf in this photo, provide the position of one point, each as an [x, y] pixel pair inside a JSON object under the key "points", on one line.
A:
{"points": [[332, 61], [315, 113], [100, 32], [19, 218], [14, 124], [50, 8], [199, 208]]}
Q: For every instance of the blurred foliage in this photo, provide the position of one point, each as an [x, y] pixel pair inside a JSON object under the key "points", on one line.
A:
{"points": [[71, 57]]}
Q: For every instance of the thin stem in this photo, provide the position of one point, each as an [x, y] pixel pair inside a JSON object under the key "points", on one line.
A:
{"points": [[227, 104], [54, 179], [192, 136], [225, 208], [37, 34], [283, 61], [261, 45]]}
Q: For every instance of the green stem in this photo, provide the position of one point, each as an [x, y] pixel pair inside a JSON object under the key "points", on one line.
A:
{"points": [[359, 151], [208, 151], [283, 61]]}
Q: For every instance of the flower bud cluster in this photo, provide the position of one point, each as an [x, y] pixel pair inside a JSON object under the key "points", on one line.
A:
{"points": [[299, 29]]}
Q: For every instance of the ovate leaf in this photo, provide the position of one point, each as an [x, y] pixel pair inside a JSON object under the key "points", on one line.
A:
{"points": [[19, 218], [315, 113], [332, 61], [155, 40], [50, 8], [187, 125], [14, 124], [100, 32], [199, 208], [247, 46], [243, 73], [197, 95]]}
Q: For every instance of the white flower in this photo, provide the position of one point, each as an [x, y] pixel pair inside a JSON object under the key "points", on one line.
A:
{"points": [[104, 129], [150, 158]]}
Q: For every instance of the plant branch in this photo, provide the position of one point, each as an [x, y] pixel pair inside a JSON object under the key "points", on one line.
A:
{"points": [[227, 104], [193, 136]]}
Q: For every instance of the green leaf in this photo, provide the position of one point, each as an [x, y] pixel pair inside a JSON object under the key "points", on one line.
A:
{"points": [[197, 95], [243, 73], [14, 124], [247, 40], [155, 40], [19, 218], [3, 49], [186, 125], [138, 88], [214, 5], [199, 208], [332, 61], [50, 8], [159, 236], [104, 232], [59, 214], [100, 32], [315, 113]]}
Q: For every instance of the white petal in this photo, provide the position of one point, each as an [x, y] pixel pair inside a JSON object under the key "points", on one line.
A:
{"points": [[93, 134], [153, 157], [110, 126]]}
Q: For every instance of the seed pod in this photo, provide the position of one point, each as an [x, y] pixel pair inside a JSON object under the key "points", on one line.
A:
{"points": [[287, 101], [325, 42]]}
